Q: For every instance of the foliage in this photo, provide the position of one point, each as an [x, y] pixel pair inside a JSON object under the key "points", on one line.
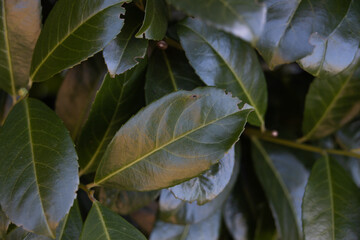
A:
{"points": [[165, 119]]}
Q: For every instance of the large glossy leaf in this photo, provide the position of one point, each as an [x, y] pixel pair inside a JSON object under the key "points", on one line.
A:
{"points": [[283, 179], [20, 26], [210, 184], [172, 140], [242, 18], [155, 22], [331, 207], [336, 47], [124, 52], [224, 61], [77, 93], [208, 229], [4, 224], [70, 227], [39, 175], [349, 136], [169, 71], [117, 100], [290, 25], [102, 223], [125, 202], [330, 104], [74, 31]]}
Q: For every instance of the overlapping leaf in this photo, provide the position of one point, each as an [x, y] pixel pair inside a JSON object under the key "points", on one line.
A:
{"points": [[20, 234], [331, 207], [283, 179], [125, 51], [349, 136], [169, 71], [235, 219], [155, 22], [70, 227], [224, 61], [38, 177], [101, 223], [4, 224], [84, 28], [330, 104], [114, 104], [157, 148], [20, 26], [242, 18]]}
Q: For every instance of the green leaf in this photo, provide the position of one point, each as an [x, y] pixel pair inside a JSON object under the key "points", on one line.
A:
{"points": [[164, 138], [210, 184], [331, 207], [77, 93], [125, 202], [70, 227], [330, 104], [74, 31], [20, 234], [39, 175], [336, 47], [169, 71], [4, 224], [155, 22], [283, 179], [20, 27], [5, 105], [291, 24], [226, 62], [235, 219], [124, 52], [208, 229], [101, 223], [242, 18], [349, 136], [117, 100]]}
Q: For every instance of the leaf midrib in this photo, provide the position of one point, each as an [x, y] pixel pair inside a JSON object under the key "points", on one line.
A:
{"points": [[247, 94], [101, 218], [162, 146], [168, 66]]}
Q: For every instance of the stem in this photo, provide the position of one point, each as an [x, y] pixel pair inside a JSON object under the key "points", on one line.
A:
{"points": [[173, 43], [89, 192], [91, 185], [267, 137]]}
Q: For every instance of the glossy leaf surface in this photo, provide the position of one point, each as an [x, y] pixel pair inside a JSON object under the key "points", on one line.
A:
{"points": [[125, 202], [207, 229], [331, 208], [169, 71], [225, 61], [242, 18], [101, 223], [4, 224], [330, 104], [39, 175], [20, 26], [283, 179], [117, 100], [77, 93], [209, 185], [84, 29], [155, 22], [165, 138], [125, 51], [70, 227]]}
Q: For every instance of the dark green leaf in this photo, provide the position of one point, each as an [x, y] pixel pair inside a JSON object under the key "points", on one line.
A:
{"points": [[207, 229], [157, 147], [125, 202], [20, 27], [169, 71], [39, 175], [124, 52], [336, 47], [291, 24], [283, 179], [349, 136], [330, 104], [235, 219], [4, 224], [242, 18], [5, 105], [101, 223], [77, 93], [265, 229], [155, 21], [210, 184], [226, 62], [74, 31], [117, 100], [70, 227], [331, 207]]}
